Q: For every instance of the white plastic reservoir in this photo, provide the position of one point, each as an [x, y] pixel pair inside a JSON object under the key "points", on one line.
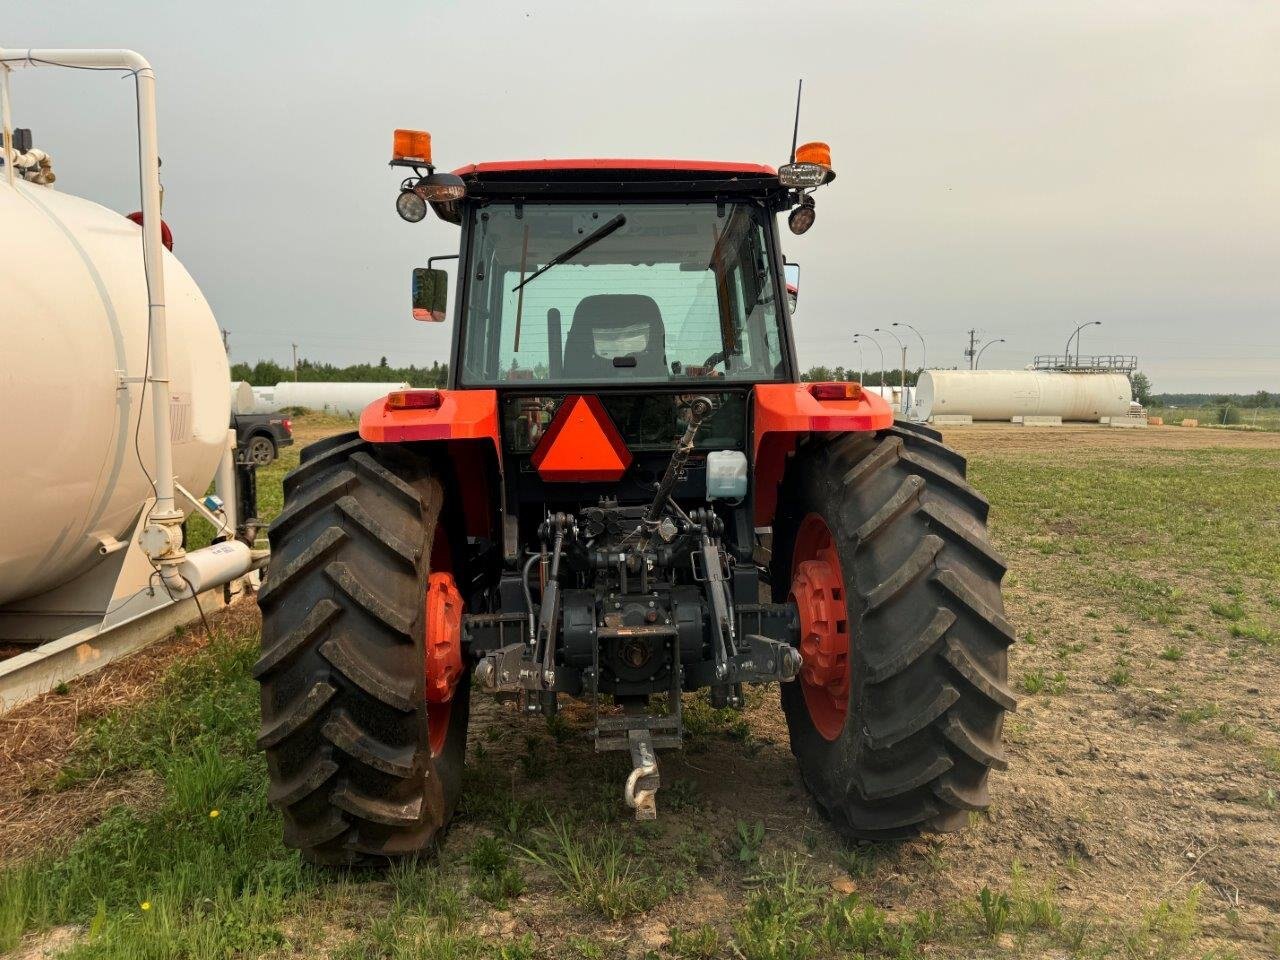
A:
{"points": [[342, 398], [1005, 394], [73, 328]]}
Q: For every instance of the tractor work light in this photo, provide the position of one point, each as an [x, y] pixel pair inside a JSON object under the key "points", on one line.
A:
{"points": [[411, 206], [440, 188], [811, 167], [802, 176], [836, 391], [414, 400], [802, 217], [411, 147]]}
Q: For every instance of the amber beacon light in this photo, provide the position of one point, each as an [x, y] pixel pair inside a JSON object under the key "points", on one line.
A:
{"points": [[413, 146]]}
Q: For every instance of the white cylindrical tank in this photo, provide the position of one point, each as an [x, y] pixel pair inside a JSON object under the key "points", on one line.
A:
{"points": [[344, 399], [264, 400], [241, 397], [1005, 394], [73, 335]]}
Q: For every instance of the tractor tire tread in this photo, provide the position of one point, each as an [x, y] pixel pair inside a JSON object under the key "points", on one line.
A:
{"points": [[341, 670], [930, 684]]}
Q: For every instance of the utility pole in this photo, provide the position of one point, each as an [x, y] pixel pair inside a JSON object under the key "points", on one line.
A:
{"points": [[971, 353], [295, 363]]}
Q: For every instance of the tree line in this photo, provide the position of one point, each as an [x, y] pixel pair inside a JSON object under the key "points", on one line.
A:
{"points": [[872, 378], [267, 373], [1259, 399]]}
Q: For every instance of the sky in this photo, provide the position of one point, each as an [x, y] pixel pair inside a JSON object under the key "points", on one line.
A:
{"points": [[1012, 166]]}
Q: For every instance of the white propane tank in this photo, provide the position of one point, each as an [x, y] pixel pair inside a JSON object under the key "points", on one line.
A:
{"points": [[73, 329], [1005, 394], [241, 397], [344, 399]]}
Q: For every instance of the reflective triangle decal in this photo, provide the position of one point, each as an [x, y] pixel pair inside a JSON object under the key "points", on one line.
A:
{"points": [[581, 444]]}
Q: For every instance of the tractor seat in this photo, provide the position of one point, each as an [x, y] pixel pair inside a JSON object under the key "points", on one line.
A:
{"points": [[610, 325]]}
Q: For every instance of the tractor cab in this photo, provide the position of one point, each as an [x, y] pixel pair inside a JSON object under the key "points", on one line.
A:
{"points": [[638, 284]]}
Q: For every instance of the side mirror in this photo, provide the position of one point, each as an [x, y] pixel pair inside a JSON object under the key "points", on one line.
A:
{"points": [[430, 294], [791, 272]]}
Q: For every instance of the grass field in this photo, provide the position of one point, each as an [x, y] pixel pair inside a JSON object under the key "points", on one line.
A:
{"points": [[1139, 817]]}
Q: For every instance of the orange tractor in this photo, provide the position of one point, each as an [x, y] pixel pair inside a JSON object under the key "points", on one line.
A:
{"points": [[626, 495]]}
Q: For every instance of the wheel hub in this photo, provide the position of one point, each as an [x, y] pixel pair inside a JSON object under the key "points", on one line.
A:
{"points": [[818, 590], [443, 653]]}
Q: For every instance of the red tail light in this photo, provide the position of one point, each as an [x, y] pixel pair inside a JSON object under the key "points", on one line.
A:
{"points": [[288, 426], [414, 399], [836, 391]]}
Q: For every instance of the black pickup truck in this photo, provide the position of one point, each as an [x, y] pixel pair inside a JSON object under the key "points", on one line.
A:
{"points": [[259, 436]]}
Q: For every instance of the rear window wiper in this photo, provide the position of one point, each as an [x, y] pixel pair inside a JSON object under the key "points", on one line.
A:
{"points": [[594, 237]]}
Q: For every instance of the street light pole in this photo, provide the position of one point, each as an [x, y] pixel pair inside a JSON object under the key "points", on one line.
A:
{"points": [[881, 349], [1075, 335], [978, 359], [902, 379], [924, 350]]}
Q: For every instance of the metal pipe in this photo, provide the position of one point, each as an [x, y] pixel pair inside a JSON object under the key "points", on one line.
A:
{"points": [[8, 122], [165, 549], [224, 484]]}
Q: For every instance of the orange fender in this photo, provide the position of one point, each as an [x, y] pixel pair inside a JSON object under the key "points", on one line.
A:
{"points": [[784, 412], [467, 420]]}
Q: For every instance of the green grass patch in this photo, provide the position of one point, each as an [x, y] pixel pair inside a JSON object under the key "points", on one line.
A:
{"points": [[1194, 715], [494, 877], [595, 872], [1255, 632], [203, 874]]}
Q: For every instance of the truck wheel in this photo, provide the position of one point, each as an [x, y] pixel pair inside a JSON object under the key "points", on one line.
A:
{"points": [[261, 450], [896, 716], [364, 732]]}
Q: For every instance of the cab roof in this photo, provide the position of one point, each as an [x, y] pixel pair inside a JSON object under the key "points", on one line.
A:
{"points": [[643, 167], [608, 178]]}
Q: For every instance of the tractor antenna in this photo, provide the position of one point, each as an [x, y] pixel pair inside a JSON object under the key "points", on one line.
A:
{"points": [[795, 134]]}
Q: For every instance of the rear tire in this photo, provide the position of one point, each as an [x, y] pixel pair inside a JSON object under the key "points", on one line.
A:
{"points": [[261, 450], [927, 662], [344, 716]]}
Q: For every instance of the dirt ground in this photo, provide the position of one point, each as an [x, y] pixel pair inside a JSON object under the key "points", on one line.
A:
{"points": [[1001, 438], [1144, 756]]}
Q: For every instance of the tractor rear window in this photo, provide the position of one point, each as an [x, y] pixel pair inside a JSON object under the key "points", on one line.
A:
{"points": [[656, 293]]}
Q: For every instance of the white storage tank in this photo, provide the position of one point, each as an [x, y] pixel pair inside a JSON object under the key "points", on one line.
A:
{"points": [[1005, 394], [344, 399], [264, 400], [241, 397], [73, 330]]}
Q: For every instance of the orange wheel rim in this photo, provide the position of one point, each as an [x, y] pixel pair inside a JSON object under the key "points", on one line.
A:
{"points": [[818, 591], [443, 655]]}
